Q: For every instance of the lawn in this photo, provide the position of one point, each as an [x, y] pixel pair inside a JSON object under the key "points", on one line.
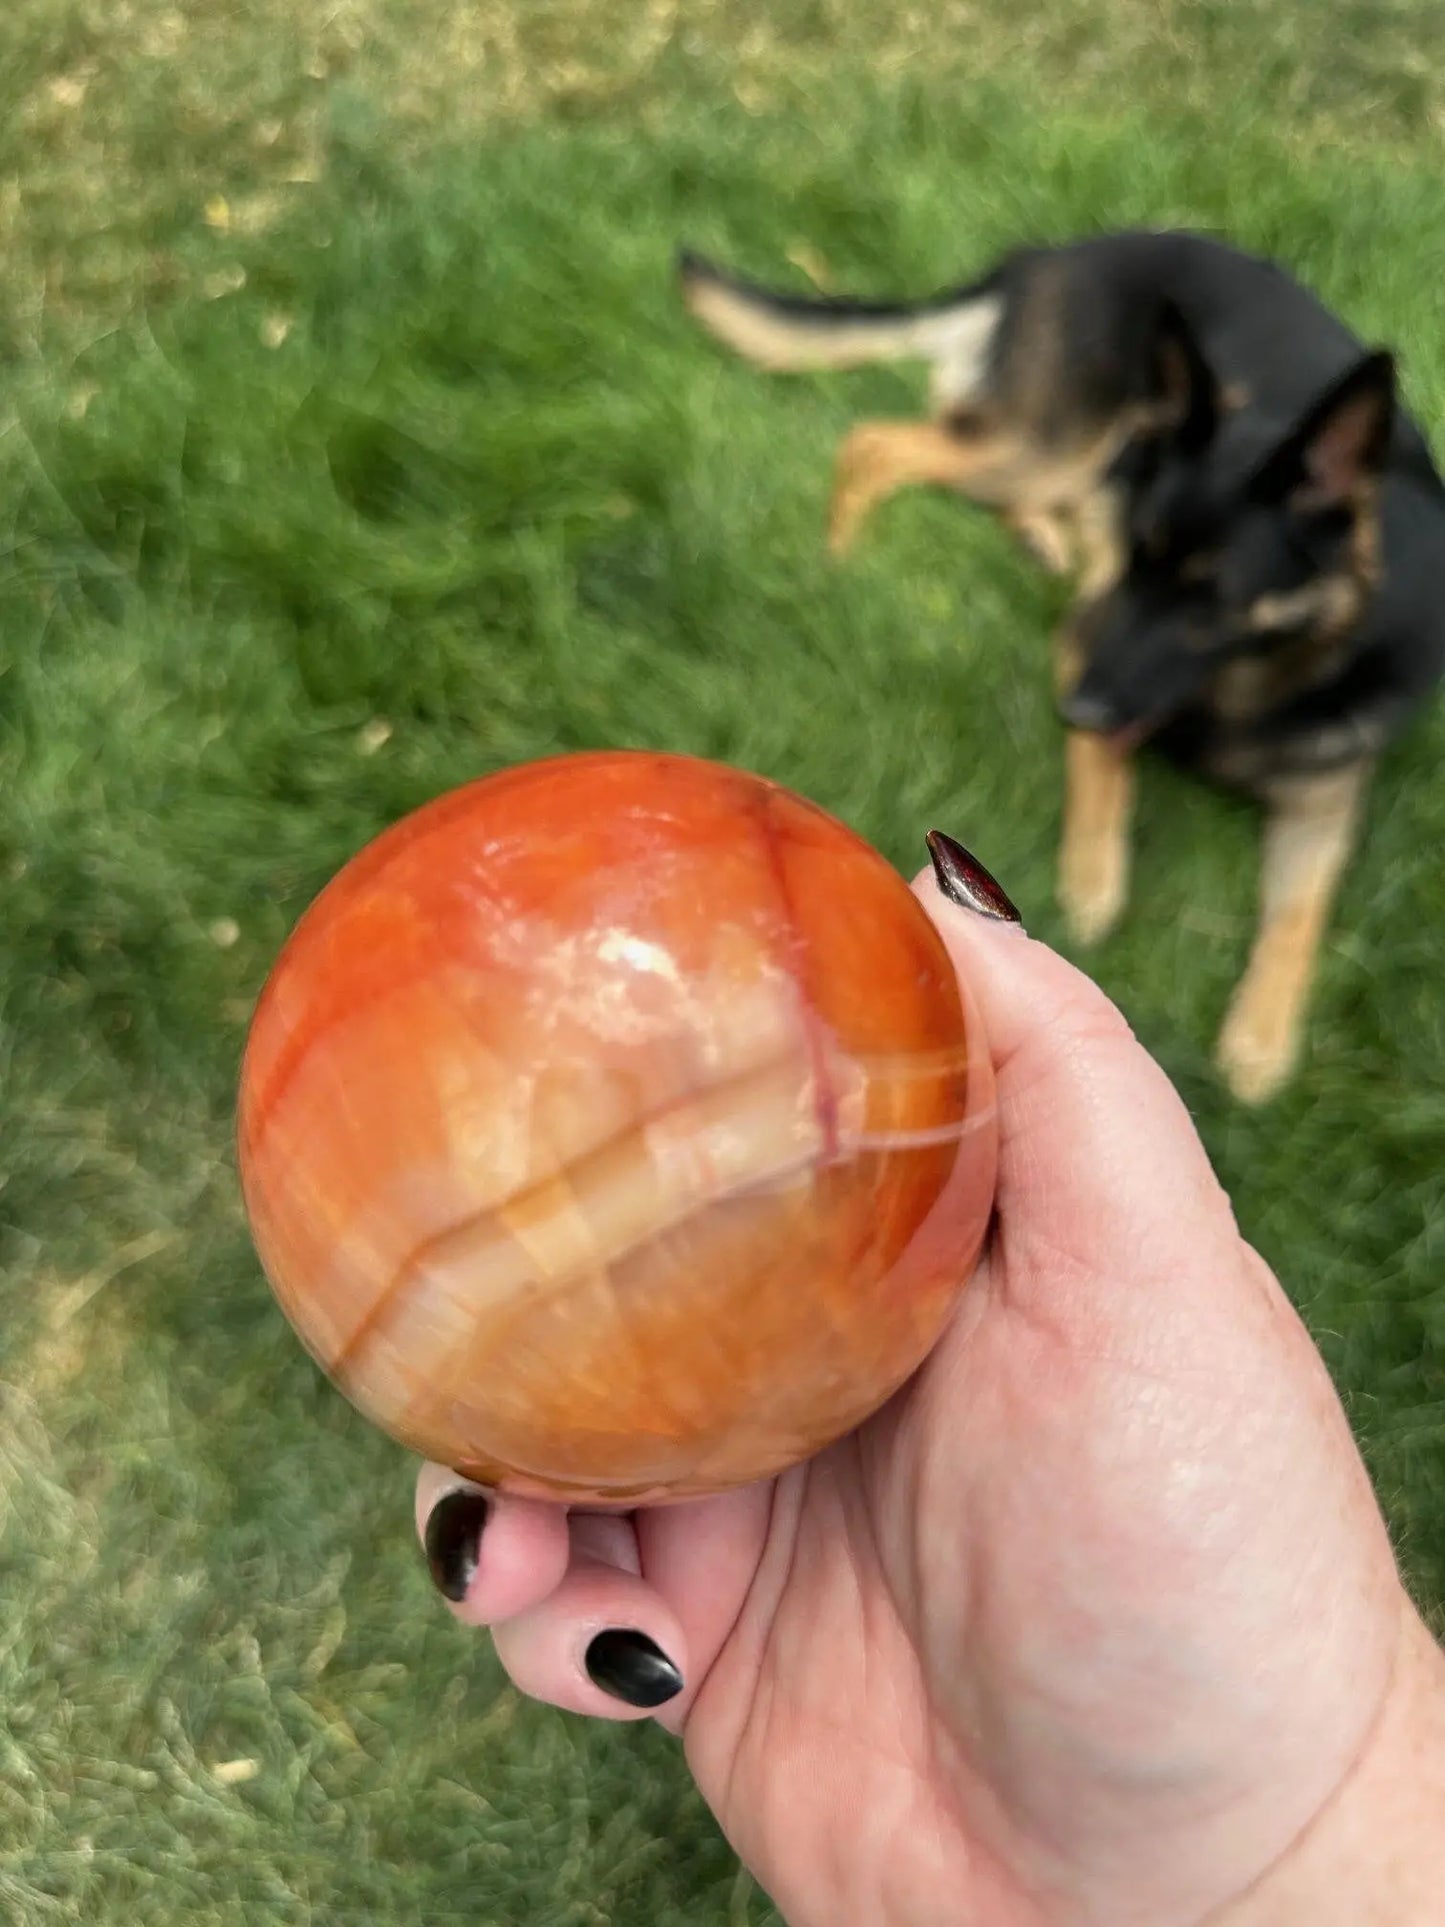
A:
{"points": [[353, 444]]}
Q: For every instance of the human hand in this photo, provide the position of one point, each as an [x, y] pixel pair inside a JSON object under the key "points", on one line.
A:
{"points": [[1095, 1622]]}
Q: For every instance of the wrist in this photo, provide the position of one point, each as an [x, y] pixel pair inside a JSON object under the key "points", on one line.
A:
{"points": [[1374, 1856]]}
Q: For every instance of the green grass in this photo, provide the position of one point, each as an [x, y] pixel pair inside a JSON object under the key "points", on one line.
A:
{"points": [[410, 433]]}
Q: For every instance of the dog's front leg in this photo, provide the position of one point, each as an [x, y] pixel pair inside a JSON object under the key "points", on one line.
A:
{"points": [[1309, 834], [1094, 857], [1098, 802]]}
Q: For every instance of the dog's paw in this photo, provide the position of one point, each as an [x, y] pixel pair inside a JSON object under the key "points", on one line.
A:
{"points": [[849, 509], [1093, 887], [1257, 1048], [846, 516]]}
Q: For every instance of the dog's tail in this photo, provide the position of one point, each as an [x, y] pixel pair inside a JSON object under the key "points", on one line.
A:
{"points": [[792, 332]]}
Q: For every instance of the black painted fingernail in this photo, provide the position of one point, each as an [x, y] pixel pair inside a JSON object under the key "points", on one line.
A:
{"points": [[964, 881], [453, 1542], [631, 1667]]}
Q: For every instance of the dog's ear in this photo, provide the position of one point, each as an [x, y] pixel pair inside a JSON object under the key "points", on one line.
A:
{"points": [[1182, 381], [1340, 446]]}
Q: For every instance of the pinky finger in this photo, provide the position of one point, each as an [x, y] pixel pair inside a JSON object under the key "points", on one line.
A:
{"points": [[490, 1556]]}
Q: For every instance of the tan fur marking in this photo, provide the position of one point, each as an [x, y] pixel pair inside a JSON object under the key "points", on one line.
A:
{"points": [[1094, 857], [1249, 686], [1365, 544], [1050, 537], [877, 459], [1039, 492], [1101, 543], [1309, 835], [1332, 601], [1068, 662], [955, 340], [789, 343]]}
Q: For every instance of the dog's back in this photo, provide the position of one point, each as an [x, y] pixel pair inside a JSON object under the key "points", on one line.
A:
{"points": [[1059, 336], [1271, 343]]}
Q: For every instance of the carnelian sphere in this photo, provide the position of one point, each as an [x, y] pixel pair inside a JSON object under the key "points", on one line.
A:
{"points": [[614, 1128]]}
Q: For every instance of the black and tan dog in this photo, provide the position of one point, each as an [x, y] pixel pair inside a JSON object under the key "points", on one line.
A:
{"points": [[1256, 529]]}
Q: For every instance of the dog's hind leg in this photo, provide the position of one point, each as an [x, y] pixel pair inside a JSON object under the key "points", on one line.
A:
{"points": [[879, 458], [1309, 835], [1049, 535]]}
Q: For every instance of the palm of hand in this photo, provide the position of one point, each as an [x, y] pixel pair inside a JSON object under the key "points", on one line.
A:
{"points": [[1007, 1654], [1089, 1623]]}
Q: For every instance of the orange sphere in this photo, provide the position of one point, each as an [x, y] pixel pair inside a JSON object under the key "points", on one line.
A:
{"points": [[613, 1128]]}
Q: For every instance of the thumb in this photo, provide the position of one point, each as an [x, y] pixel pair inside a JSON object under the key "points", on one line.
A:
{"points": [[1100, 1167]]}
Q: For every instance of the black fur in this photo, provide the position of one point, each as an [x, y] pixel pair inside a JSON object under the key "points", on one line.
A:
{"points": [[1276, 472]]}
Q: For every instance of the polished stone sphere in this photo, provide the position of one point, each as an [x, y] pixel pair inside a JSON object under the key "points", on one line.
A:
{"points": [[616, 1128]]}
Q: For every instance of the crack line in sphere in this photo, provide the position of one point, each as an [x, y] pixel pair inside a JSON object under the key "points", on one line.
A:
{"points": [[664, 1134]]}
